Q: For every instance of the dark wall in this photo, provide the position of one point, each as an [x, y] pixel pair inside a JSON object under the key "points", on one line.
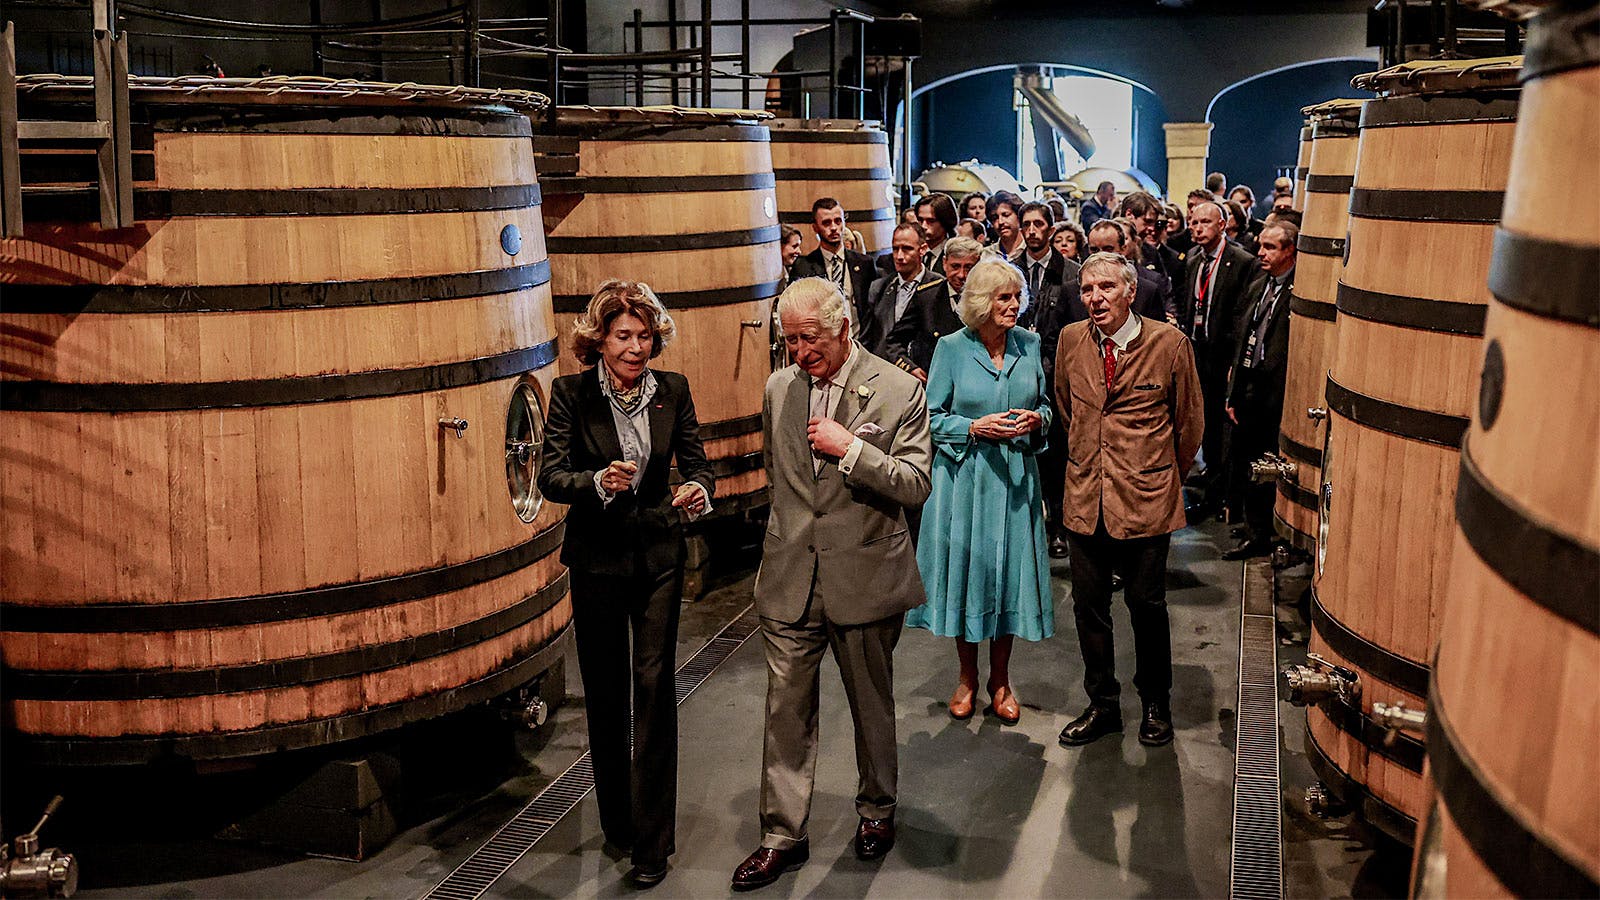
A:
{"points": [[1185, 58], [1258, 122]]}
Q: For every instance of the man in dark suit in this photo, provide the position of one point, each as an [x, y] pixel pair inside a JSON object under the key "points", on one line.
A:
{"points": [[1149, 225], [1101, 206], [891, 297], [1216, 281], [851, 271], [1154, 298], [1053, 303], [932, 313], [1256, 384], [936, 213]]}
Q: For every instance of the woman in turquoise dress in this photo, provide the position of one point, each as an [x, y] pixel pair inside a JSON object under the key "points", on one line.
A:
{"points": [[982, 549]]}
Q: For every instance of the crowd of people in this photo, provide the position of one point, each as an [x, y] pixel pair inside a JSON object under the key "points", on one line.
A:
{"points": [[1005, 385]]}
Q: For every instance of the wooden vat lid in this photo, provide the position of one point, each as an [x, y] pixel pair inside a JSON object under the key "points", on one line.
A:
{"points": [[1439, 76], [290, 90]]}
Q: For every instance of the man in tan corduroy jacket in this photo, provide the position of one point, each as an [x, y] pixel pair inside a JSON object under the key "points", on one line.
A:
{"points": [[1129, 396]]}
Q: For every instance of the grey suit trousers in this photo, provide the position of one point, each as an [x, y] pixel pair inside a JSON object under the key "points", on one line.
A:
{"points": [[865, 655]]}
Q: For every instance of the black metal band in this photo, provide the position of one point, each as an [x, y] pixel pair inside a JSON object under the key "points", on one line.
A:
{"points": [[162, 203], [1378, 813], [1508, 847], [577, 303], [1296, 538], [1420, 313], [90, 751], [1320, 246], [659, 184], [1330, 184], [1551, 569], [327, 119], [652, 131], [1402, 749], [1546, 278], [231, 612], [805, 217], [57, 396], [833, 174], [727, 428], [158, 684], [725, 466], [1297, 495], [73, 299], [786, 136], [1427, 206], [1496, 105], [663, 243], [1402, 421], [1293, 449], [1379, 662], [1563, 37], [71, 168], [1313, 309]]}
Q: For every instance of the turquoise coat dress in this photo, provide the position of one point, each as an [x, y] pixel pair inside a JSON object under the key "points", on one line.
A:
{"points": [[982, 548]]}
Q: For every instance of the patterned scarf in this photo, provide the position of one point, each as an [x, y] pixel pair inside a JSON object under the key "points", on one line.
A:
{"points": [[630, 401]]}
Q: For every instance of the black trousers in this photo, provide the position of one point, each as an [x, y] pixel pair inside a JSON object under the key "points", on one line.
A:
{"points": [[635, 774], [1213, 371], [1253, 438], [1053, 476], [1142, 563]]}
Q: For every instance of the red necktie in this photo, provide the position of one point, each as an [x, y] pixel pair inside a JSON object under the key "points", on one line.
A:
{"points": [[1111, 363]]}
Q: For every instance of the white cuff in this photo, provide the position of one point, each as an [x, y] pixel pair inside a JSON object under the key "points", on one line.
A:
{"points": [[848, 461], [705, 494], [605, 496]]}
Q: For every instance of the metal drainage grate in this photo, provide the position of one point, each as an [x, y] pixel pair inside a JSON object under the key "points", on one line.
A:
{"points": [[1256, 870], [484, 867]]}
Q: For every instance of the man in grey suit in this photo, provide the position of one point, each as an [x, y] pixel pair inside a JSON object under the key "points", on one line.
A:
{"points": [[847, 452]]}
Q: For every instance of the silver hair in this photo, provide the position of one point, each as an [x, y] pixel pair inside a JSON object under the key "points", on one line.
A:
{"points": [[1122, 264], [962, 248], [818, 295], [987, 278]]}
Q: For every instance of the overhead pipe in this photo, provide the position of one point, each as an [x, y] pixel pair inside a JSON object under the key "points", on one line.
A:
{"points": [[1048, 106]]}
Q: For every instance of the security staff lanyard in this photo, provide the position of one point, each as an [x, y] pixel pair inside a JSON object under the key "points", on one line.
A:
{"points": [[1255, 346], [1202, 306]]}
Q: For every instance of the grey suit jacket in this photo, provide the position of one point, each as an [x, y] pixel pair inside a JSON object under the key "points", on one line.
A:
{"points": [[842, 540]]}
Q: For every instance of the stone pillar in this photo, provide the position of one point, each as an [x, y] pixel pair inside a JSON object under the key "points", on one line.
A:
{"points": [[1188, 144]]}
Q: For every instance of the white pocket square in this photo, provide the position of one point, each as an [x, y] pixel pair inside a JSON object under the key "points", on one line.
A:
{"points": [[868, 430]]}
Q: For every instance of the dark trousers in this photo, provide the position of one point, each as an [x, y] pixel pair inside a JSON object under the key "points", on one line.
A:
{"points": [[637, 785], [1252, 439], [1214, 444], [1053, 476], [1142, 563]]}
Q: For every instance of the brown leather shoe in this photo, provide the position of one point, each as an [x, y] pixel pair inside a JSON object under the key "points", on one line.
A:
{"points": [[874, 838], [962, 708], [1003, 705], [764, 866]]}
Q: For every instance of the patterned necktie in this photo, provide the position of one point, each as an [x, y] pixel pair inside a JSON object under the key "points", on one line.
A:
{"points": [[836, 272], [819, 410], [1111, 363]]}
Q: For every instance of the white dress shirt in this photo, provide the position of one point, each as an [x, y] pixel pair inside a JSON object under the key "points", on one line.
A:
{"points": [[834, 389]]}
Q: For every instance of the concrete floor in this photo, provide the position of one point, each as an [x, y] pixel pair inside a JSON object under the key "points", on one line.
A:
{"points": [[985, 810]]}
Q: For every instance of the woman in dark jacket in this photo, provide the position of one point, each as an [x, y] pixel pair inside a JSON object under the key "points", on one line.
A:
{"points": [[610, 439]]}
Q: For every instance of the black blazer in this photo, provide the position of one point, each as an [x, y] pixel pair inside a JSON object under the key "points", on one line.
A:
{"points": [[879, 322], [1167, 261], [928, 318], [1053, 309], [1256, 394], [858, 268], [637, 533], [1228, 298]]}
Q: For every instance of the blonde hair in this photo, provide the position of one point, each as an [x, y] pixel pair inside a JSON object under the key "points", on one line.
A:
{"points": [[613, 298], [986, 279], [817, 295]]}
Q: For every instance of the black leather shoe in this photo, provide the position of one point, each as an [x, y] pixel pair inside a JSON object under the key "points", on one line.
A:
{"points": [[1156, 729], [764, 866], [1248, 549], [1095, 723], [1239, 532], [874, 838], [647, 875], [1058, 547], [1116, 582]]}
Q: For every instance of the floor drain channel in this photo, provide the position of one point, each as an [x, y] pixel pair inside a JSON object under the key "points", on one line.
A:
{"points": [[1256, 870], [484, 867]]}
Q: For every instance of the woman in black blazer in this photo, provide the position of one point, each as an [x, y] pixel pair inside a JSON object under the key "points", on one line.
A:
{"points": [[610, 438]]}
